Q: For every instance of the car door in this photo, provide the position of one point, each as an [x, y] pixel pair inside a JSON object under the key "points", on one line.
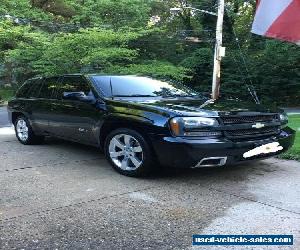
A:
{"points": [[38, 105], [42, 107], [27, 97], [74, 119]]}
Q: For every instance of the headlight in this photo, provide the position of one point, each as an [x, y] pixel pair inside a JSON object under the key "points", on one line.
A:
{"points": [[284, 118], [194, 126]]}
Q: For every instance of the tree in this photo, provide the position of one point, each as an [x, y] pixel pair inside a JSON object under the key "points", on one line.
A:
{"points": [[56, 7], [143, 37], [111, 13], [22, 9]]}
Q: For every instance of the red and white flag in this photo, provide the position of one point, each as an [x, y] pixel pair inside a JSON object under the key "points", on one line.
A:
{"points": [[278, 19]]}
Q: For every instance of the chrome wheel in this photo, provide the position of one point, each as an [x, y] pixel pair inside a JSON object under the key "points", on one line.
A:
{"points": [[126, 152], [22, 130]]}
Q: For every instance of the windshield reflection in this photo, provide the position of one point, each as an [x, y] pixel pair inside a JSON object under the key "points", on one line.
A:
{"points": [[134, 86]]}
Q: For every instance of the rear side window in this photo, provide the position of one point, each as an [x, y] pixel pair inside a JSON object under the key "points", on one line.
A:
{"points": [[23, 91], [35, 89], [49, 87], [29, 88]]}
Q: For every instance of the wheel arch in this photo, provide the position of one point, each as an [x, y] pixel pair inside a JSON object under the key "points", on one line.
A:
{"points": [[110, 126], [15, 115], [141, 125]]}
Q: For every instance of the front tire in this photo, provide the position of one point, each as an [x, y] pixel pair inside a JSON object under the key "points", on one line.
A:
{"points": [[24, 132], [129, 153]]}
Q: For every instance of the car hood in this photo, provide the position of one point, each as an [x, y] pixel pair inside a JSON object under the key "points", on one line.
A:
{"points": [[205, 107]]}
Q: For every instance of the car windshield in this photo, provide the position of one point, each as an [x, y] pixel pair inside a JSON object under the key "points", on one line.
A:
{"points": [[133, 86]]}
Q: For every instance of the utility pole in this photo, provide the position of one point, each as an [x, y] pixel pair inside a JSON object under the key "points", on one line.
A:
{"points": [[219, 51]]}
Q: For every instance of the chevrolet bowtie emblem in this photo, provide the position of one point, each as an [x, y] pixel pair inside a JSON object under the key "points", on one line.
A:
{"points": [[258, 125]]}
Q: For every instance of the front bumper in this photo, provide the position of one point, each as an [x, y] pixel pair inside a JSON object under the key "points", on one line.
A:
{"points": [[188, 152]]}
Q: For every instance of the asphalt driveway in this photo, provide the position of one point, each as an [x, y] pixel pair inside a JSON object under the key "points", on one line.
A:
{"points": [[3, 117], [65, 196]]}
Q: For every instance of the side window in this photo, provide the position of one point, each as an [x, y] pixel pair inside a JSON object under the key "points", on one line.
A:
{"points": [[49, 86], [35, 88], [74, 84], [24, 90]]}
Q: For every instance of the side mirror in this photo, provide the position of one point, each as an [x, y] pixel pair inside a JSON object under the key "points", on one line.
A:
{"points": [[78, 96]]}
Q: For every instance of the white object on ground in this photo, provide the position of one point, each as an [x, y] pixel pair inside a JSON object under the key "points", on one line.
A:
{"points": [[7, 131], [264, 149]]}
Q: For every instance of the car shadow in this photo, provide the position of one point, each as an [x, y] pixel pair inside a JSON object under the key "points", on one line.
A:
{"points": [[51, 141], [237, 173]]}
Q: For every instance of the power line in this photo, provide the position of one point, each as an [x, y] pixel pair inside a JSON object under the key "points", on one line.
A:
{"points": [[250, 88]]}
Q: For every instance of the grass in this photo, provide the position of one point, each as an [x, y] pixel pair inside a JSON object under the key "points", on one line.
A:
{"points": [[294, 152], [6, 94]]}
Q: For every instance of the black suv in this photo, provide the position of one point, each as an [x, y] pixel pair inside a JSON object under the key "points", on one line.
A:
{"points": [[140, 122]]}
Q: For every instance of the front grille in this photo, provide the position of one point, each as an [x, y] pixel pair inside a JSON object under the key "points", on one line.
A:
{"points": [[249, 119], [252, 132], [240, 127]]}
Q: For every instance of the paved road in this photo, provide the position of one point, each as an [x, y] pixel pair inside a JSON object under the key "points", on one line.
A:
{"points": [[292, 110], [65, 196], [3, 117]]}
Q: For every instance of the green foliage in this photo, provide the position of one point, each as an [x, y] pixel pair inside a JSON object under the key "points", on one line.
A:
{"points": [[277, 75], [11, 35], [294, 152], [107, 57], [22, 9], [6, 94], [114, 13], [127, 39], [90, 48], [157, 69], [21, 47], [55, 7], [201, 64]]}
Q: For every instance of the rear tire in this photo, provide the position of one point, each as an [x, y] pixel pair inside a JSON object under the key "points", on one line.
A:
{"points": [[129, 153], [24, 132]]}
